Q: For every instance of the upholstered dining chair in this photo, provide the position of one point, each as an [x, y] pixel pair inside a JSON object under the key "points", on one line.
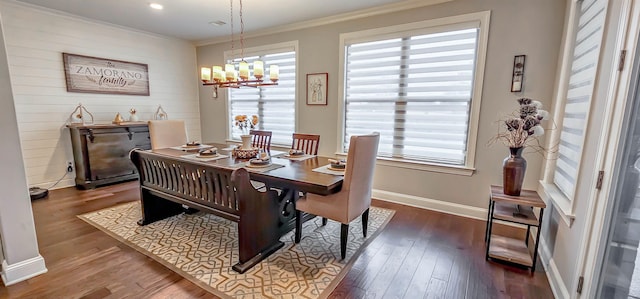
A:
{"points": [[353, 199], [308, 143], [261, 139], [167, 133]]}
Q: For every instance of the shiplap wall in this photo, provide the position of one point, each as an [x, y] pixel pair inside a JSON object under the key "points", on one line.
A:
{"points": [[35, 41]]}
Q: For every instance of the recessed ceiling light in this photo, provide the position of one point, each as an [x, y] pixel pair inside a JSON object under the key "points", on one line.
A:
{"points": [[155, 5], [217, 23]]}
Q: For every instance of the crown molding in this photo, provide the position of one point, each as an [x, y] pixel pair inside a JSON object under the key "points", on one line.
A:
{"points": [[374, 11]]}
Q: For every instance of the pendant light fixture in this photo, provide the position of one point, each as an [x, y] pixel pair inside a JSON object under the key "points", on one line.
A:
{"points": [[240, 76]]}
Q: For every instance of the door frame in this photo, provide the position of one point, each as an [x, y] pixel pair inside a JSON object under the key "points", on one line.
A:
{"points": [[623, 88]]}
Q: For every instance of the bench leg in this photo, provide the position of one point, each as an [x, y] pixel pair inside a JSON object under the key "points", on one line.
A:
{"points": [[155, 208], [241, 267]]}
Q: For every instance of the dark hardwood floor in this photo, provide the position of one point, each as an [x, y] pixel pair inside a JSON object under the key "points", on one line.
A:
{"points": [[419, 254]]}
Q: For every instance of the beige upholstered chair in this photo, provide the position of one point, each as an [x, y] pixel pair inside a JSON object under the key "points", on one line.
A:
{"points": [[167, 133], [261, 139], [306, 142], [354, 198]]}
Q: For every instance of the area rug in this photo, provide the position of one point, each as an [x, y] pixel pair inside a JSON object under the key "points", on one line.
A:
{"points": [[202, 248]]}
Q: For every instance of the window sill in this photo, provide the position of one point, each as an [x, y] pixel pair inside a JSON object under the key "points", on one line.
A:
{"points": [[550, 193], [423, 166]]}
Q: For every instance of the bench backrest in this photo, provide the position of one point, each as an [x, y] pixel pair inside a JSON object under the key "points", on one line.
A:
{"points": [[206, 186]]}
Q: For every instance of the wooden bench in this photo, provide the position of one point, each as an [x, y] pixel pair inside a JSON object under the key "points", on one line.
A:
{"points": [[166, 184]]}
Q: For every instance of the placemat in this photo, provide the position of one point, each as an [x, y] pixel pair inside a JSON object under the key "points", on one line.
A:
{"points": [[293, 158], [196, 158], [191, 149], [325, 169], [271, 166]]}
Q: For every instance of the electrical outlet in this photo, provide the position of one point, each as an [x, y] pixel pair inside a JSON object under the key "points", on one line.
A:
{"points": [[69, 166]]}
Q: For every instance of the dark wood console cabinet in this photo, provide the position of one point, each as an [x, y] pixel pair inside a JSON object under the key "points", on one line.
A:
{"points": [[101, 152]]}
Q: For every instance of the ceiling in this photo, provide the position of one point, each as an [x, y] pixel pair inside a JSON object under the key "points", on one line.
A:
{"points": [[189, 19]]}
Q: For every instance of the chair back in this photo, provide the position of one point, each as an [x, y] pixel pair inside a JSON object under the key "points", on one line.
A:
{"points": [[261, 139], [308, 143], [167, 133], [358, 177]]}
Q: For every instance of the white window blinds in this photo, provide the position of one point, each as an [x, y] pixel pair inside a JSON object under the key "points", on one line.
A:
{"points": [[415, 90], [584, 63], [275, 105]]}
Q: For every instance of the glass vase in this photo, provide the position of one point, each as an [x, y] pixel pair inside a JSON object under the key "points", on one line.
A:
{"points": [[513, 169]]}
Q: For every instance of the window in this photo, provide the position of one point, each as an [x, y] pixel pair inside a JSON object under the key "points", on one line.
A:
{"points": [[418, 85], [579, 90], [275, 105]]}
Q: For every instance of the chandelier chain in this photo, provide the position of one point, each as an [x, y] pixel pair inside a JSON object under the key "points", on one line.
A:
{"points": [[241, 33], [231, 10]]}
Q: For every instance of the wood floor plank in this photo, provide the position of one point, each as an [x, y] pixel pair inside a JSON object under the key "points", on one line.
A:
{"points": [[420, 253], [378, 286], [437, 289], [459, 278]]}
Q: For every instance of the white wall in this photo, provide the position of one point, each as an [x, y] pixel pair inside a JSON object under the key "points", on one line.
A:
{"points": [[20, 256], [35, 40], [533, 28]]}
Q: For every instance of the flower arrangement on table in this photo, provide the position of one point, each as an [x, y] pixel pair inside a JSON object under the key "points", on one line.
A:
{"points": [[523, 127], [245, 124]]}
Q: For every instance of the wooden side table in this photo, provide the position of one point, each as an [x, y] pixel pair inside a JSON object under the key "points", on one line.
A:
{"points": [[505, 208]]}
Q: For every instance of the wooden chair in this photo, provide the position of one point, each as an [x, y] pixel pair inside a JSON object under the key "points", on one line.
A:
{"points": [[353, 199], [167, 133], [308, 143], [261, 139]]}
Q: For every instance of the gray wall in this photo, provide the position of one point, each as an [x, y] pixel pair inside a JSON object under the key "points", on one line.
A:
{"points": [[533, 28]]}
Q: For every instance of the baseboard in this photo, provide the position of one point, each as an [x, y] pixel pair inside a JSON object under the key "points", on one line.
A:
{"points": [[24, 270], [62, 184], [558, 287], [431, 204]]}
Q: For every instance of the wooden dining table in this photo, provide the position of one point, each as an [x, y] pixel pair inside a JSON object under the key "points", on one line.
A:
{"points": [[293, 178]]}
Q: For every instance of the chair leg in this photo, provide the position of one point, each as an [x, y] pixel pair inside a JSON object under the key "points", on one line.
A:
{"points": [[344, 231], [324, 221], [298, 227], [365, 221]]}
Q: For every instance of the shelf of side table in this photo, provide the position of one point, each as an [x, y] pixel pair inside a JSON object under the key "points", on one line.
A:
{"points": [[505, 208]]}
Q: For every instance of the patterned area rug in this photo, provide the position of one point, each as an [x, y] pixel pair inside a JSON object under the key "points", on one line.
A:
{"points": [[203, 247]]}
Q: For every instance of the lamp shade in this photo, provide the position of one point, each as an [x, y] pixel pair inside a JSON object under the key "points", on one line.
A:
{"points": [[205, 74], [258, 69], [243, 69], [274, 72]]}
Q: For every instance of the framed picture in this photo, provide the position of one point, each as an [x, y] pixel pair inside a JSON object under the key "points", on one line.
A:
{"points": [[100, 75], [317, 88]]}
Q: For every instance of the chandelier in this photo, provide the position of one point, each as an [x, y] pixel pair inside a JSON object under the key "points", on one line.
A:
{"points": [[232, 77]]}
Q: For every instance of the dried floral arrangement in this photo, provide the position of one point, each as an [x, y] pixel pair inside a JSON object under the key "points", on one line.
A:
{"points": [[244, 123], [524, 126]]}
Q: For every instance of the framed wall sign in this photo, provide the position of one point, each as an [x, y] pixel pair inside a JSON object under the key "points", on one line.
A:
{"points": [[317, 88], [99, 75]]}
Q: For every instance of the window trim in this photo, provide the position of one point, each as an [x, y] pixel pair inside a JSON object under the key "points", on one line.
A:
{"points": [[264, 50], [480, 19]]}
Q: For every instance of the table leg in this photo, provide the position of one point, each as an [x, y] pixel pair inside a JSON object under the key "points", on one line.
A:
{"points": [[535, 250], [488, 227], [489, 224]]}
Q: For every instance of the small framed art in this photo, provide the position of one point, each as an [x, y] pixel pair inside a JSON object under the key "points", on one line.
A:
{"points": [[317, 88]]}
